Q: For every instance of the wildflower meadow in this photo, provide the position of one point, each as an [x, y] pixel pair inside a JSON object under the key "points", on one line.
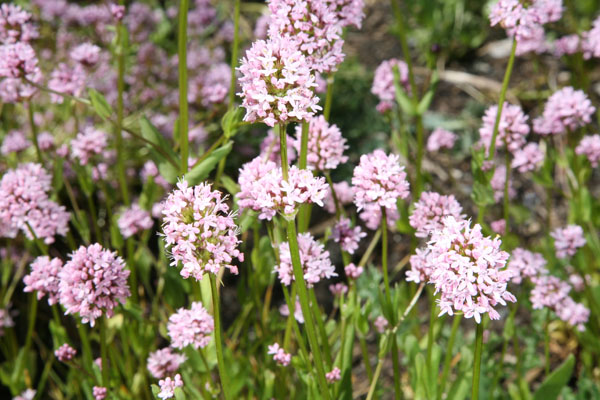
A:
{"points": [[300, 199]]}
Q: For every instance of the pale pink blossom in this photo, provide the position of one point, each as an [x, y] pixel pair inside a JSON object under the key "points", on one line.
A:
{"points": [[420, 268], [334, 375], [344, 193], [589, 146], [567, 240], [566, 110], [68, 80], [526, 264], [134, 220], [497, 183], [430, 210], [65, 353], [99, 392], [43, 278], [313, 257], [168, 385], [590, 41], [567, 45], [498, 226], [164, 362], [193, 326], [14, 142], [270, 147], [346, 235], [349, 12], [383, 83], [326, 145], [89, 143], [353, 271], [86, 54], [338, 289], [512, 130], [439, 139], [381, 324], [279, 355], [285, 311], [28, 394], [528, 158], [16, 24]]}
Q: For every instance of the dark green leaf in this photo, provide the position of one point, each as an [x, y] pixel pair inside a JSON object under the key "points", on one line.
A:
{"points": [[231, 121], [201, 170], [99, 104], [553, 384]]}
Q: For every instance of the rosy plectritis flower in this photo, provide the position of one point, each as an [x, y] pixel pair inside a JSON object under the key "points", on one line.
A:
{"points": [[567, 240], [383, 83], [512, 130], [313, 257], [346, 235], [430, 210], [134, 220], [168, 385], [326, 144], [192, 326], [526, 264], [65, 353], [279, 355], [566, 110], [43, 278], [589, 146], [164, 362], [439, 139]]}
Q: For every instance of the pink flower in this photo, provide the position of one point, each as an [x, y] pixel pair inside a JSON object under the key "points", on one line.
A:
{"points": [[512, 130], [279, 355], [150, 170], [569, 44], [553, 293], [45, 141], [524, 22], [334, 375], [590, 41], [468, 270], [28, 394], [68, 80], [277, 84], [430, 210], [93, 282], [344, 193], [326, 144], [270, 148], [314, 258], [497, 183], [349, 12], [168, 385], [14, 142], [379, 181], [575, 314], [65, 353], [567, 240], [117, 11], [164, 362], [16, 24], [88, 143], [589, 146], [316, 28], [86, 54], [18, 60], [200, 231], [338, 289], [535, 42], [6, 320], [285, 311], [347, 236], [381, 324], [44, 278], [134, 220], [529, 158], [440, 138], [190, 327], [383, 83], [99, 392], [525, 264], [371, 215], [498, 226], [352, 271], [420, 268], [262, 26], [263, 189], [566, 110]]}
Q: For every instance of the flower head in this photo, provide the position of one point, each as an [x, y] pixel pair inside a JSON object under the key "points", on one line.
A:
{"points": [[313, 257], [430, 210], [192, 326], [334, 375], [99, 392], [420, 267], [164, 362], [68, 80], [553, 293], [383, 83], [348, 237], [86, 54], [279, 355], [65, 353], [14, 142], [589, 146], [567, 240], [326, 144], [16, 24], [526, 264], [28, 394], [93, 282], [349, 12], [440, 138], [569, 44], [352, 271], [88, 143], [134, 220], [498, 226], [381, 324], [43, 278], [566, 110], [529, 158], [18, 60], [590, 41], [168, 385], [200, 230], [512, 130]]}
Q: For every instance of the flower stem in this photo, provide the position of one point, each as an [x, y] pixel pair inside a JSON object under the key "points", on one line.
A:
{"points": [[547, 343], [448, 357], [305, 209], [34, 132], [320, 326], [430, 332], [477, 363], [103, 352], [328, 97], [119, 123], [218, 338], [234, 51], [375, 378], [183, 83], [506, 194]]}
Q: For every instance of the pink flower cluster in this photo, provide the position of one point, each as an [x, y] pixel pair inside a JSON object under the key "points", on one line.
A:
{"points": [[526, 264], [566, 110], [65, 353], [14, 142], [338, 289], [316, 28], [277, 84], [344, 193], [439, 139], [381, 324], [512, 130], [420, 267], [279, 355], [590, 41], [522, 22], [164, 362], [334, 375], [18, 60], [16, 25], [28, 394], [383, 83], [497, 183], [553, 293], [352, 271], [430, 211], [468, 270], [168, 385], [567, 240], [134, 220], [348, 237], [263, 189], [86, 54], [190, 327], [93, 282], [589, 146], [349, 12], [314, 258], [43, 278], [285, 311], [25, 205], [88, 143], [569, 44], [529, 158], [200, 230], [270, 148], [326, 144], [379, 181]]}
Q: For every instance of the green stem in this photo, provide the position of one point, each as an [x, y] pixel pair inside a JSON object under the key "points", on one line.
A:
{"points": [[34, 132], [183, 84], [218, 338], [103, 353], [328, 97], [119, 125], [234, 51], [375, 379], [33, 306], [321, 326], [506, 187], [430, 332], [365, 354], [94, 216], [448, 357], [419, 160], [85, 345], [477, 362], [305, 209], [547, 343]]}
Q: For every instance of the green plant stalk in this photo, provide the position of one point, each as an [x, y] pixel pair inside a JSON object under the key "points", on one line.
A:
{"points": [[448, 356], [365, 355], [86, 348], [430, 333], [292, 321], [321, 326], [506, 206], [94, 216], [234, 51], [183, 84], [328, 97], [103, 353], [119, 125], [218, 338], [305, 209], [34, 132], [33, 306], [419, 160], [477, 362], [547, 343]]}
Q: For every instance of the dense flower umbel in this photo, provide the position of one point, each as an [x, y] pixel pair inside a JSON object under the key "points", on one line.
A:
{"points": [[569, 44], [18, 60], [334, 375], [348, 237], [591, 40], [43, 278], [88, 143], [190, 327], [164, 362], [529, 158], [86, 54], [566, 110], [277, 84], [315, 25], [430, 210], [522, 22], [314, 258], [567, 240], [263, 189], [168, 385], [420, 267], [383, 83], [467, 270], [93, 282], [14, 142], [68, 80], [352, 271], [512, 129], [16, 24], [279, 355], [24, 200], [200, 231], [379, 181], [553, 293], [134, 220], [326, 144], [497, 183], [99, 392], [349, 12], [440, 138], [590, 147], [65, 353], [526, 264]]}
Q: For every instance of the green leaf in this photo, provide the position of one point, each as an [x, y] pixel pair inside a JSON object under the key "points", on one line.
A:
{"points": [[179, 394], [116, 239], [229, 184], [153, 135], [482, 194], [155, 390], [203, 168], [99, 104], [553, 384], [231, 121]]}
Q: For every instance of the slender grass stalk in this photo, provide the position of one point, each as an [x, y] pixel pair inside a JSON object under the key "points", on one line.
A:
{"points": [[305, 209], [448, 356], [477, 362], [321, 326], [218, 338], [104, 352], [34, 133], [506, 206], [430, 331], [86, 348], [94, 217], [365, 355], [183, 84], [234, 51], [547, 343], [375, 379], [328, 97], [119, 123]]}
